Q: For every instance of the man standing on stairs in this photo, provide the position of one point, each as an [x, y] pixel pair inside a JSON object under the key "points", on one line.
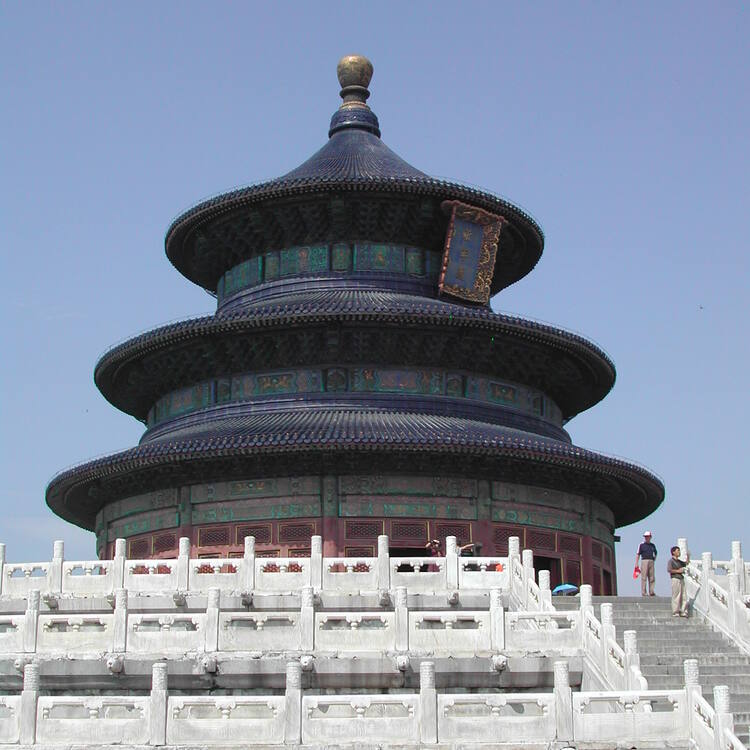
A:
{"points": [[647, 556], [676, 570]]}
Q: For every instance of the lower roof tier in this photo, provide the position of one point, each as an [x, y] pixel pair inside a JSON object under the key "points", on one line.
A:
{"points": [[339, 441], [343, 327]]}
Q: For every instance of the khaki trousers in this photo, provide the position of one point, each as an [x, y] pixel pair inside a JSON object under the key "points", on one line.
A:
{"points": [[679, 600], [647, 575]]}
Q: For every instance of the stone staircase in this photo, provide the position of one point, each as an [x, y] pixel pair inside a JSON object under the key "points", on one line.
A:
{"points": [[664, 642]]}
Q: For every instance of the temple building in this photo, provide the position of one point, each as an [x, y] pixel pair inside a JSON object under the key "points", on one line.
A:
{"points": [[354, 380]]}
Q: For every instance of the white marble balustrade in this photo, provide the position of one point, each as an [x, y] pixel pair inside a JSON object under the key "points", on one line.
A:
{"points": [[504, 718], [396, 625], [98, 720], [720, 591], [215, 721], [10, 719], [254, 573], [562, 718]]}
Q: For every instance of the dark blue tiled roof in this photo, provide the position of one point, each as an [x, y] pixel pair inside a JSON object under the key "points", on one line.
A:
{"points": [[335, 430], [359, 305], [354, 155]]}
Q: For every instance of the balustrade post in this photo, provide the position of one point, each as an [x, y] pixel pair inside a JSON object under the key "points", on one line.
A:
{"points": [[31, 621], [118, 564], [514, 558], [159, 700], [120, 624], [692, 691], [632, 659], [293, 704], [213, 607], [54, 578], [608, 635], [545, 590], [384, 564], [401, 612], [428, 718], [451, 563], [2, 565], [586, 608], [682, 543], [316, 562], [183, 564], [723, 719], [704, 596], [514, 546], [497, 620], [307, 618], [527, 563], [248, 560], [738, 564], [29, 696], [734, 604], [563, 702]]}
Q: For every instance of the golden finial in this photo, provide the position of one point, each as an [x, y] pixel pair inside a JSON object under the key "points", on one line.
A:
{"points": [[355, 74]]}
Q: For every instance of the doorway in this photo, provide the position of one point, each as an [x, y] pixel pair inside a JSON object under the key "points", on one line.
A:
{"points": [[553, 565]]}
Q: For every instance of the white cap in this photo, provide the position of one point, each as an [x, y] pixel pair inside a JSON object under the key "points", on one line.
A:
{"points": [[646, 533]]}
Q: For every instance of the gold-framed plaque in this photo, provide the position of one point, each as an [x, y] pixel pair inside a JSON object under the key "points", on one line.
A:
{"points": [[470, 251]]}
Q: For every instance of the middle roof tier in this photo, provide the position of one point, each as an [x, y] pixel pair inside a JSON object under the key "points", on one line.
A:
{"points": [[344, 328]]}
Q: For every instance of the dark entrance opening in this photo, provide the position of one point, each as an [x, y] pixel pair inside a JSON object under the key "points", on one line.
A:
{"points": [[409, 552], [553, 564], [606, 583]]}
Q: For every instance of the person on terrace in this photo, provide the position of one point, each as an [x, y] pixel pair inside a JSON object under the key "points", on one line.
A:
{"points": [[647, 556]]}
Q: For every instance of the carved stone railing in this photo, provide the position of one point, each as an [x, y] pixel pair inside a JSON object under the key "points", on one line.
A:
{"points": [[720, 591], [559, 718], [263, 574], [616, 667], [198, 623]]}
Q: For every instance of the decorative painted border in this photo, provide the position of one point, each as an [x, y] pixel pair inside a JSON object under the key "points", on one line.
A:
{"points": [[422, 382], [337, 257]]}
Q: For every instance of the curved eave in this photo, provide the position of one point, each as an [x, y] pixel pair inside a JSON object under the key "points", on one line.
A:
{"points": [[327, 440], [380, 309], [181, 234]]}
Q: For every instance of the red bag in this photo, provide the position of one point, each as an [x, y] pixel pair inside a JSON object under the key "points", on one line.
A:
{"points": [[636, 571]]}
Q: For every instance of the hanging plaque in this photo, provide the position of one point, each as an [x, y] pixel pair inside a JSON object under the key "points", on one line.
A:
{"points": [[470, 251]]}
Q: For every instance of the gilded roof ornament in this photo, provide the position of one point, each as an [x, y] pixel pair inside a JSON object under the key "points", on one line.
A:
{"points": [[354, 73]]}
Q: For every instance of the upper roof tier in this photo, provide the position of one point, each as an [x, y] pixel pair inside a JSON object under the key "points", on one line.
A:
{"points": [[354, 188]]}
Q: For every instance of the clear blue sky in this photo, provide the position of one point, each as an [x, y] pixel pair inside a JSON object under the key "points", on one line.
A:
{"points": [[623, 128]]}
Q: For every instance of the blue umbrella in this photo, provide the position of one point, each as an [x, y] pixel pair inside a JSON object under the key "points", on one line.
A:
{"points": [[565, 589]]}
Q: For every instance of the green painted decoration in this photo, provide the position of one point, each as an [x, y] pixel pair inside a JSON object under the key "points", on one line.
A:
{"points": [[339, 257], [418, 382]]}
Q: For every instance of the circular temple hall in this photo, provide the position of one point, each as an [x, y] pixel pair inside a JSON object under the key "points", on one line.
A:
{"points": [[354, 380]]}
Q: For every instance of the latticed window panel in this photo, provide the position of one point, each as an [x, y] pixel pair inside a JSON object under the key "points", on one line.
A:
{"points": [[139, 548], [596, 584], [569, 544], [596, 550], [540, 540], [363, 529], [359, 552], [217, 536], [165, 543], [267, 553], [462, 531], [409, 530], [573, 572], [296, 532], [607, 556], [301, 552], [262, 532], [501, 536]]}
